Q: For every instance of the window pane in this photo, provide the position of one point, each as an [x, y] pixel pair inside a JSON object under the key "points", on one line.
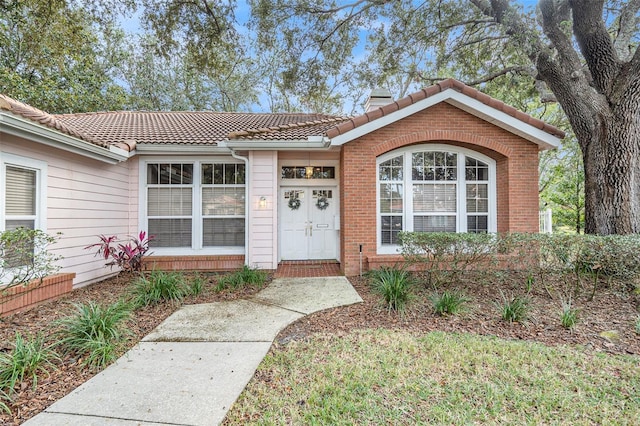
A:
{"points": [[169, 202], [391, 198], [476, 170], [223, 201], [391, 226], [223, 232], [434, 198], [170, 232], [207, 174], [477, 224], [434, 223], [218, 174], [20, 192], [391, 170], [478, 198]]}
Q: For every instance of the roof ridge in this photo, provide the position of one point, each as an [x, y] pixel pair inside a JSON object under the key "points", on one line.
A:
{"points": [[296, 125], [279, 114]]}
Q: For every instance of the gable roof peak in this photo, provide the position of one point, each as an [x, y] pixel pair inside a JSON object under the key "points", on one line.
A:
{"points": [[473, 101]]}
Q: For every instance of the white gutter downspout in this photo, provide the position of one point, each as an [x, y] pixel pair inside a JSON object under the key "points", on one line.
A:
{"points": [[247, 203]]}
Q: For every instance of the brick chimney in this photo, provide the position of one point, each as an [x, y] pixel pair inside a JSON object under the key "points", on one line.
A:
{"points": [[377, 99]]}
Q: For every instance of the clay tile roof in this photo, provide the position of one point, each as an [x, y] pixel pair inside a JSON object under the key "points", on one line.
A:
{"points": [[316, 126], [125, 129], [45, 119], [437, 88], [196, 128]]}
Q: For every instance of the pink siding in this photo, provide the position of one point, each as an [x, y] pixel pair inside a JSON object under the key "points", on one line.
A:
{"points": [[85, 198], [263, 222]]}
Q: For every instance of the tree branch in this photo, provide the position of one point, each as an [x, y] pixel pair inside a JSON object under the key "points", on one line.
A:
{"points": [[627, 28], [595, 43], [518, 69]]}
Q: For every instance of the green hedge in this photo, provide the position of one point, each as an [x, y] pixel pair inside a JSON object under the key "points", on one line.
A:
{"points": [[577, 259]]}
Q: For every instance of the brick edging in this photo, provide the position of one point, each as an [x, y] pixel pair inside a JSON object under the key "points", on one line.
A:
{"points": [[25, 297]]}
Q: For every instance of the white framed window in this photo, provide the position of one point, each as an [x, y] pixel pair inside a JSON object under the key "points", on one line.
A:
{"points": [[23, 201], [22, 196], [194, 205], [434, 188]]}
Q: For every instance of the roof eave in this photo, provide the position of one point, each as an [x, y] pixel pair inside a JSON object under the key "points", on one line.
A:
{"points": [[313, 143], [474, 107], [180, 148], [27, 129]]}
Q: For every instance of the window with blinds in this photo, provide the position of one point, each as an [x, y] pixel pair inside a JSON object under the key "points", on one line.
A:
{"points": [[223, 204], [20, 206], [204, 198], [435, 188], [170, 204]]}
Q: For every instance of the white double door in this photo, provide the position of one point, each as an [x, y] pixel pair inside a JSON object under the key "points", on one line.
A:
{"points": [[308, 225]]}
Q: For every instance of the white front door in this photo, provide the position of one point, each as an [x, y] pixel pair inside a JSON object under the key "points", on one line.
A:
{"points": [[308, 223]]}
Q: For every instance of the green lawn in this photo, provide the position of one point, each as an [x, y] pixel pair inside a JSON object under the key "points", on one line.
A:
{"points": [[389, 377]]}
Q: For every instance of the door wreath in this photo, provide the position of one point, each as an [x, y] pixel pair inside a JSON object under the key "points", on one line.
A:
{"points": [[322, 203], [294, 203]]}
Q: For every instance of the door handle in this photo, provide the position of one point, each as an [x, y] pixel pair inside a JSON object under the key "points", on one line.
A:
{"points": [[311, 229]]}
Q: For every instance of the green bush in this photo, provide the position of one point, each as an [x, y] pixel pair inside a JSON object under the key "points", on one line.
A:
{"points": [[445, 254], [546, 259], [394, 285], [638, 325], [158, 287], [95, 332], [28, 358], [513, 309], [448, 302], [242, 277]]}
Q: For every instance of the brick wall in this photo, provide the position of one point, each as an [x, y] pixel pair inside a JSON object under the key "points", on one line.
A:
{"points": [[516, 170], [195, 263]]}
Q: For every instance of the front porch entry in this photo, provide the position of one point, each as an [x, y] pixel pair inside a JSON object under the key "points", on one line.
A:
{"points": [[308, 223]]}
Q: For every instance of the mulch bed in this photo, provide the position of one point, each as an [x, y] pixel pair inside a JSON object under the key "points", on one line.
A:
{"points": [[612, 308]]}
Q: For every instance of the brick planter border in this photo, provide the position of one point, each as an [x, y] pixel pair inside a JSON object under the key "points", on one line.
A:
{"points": [[24, 297]]}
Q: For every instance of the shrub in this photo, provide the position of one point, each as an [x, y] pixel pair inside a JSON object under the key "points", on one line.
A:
{"points": [[243, 276], [448, 302], [129, 256], [445, 253], [24, 256], [569, 315], [514, 309], [95, 331], [28, 358], [638, 325], [394, 285], [159, 286]]}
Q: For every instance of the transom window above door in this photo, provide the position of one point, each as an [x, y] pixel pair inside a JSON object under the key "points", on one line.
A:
{"points": [[308, 172], [434, 188]]}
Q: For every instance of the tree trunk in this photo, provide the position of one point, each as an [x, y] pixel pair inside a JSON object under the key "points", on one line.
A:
{"points": [[612, 175]]}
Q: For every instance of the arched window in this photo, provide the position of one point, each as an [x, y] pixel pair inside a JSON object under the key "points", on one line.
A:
{"points": [[434, 188]]}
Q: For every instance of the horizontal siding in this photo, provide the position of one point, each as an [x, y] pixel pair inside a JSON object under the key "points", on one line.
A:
{"points": [[85, 198], [262, 233]]}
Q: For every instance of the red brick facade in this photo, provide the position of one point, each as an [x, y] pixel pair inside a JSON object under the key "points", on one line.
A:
{"points": [[516, 171]]}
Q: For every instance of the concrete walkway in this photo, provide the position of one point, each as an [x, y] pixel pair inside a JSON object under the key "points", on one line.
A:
{"points": [[193, 366]]}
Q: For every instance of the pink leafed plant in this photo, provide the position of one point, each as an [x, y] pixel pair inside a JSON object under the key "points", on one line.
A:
{"points": [[128, 256]]}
